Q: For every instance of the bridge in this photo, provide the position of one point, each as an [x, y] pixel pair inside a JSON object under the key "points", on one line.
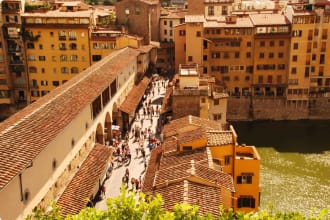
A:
{"points": [[42, 147]]}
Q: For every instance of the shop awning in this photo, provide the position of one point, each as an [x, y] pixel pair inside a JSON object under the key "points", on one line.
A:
{"points": [[134, 97]]}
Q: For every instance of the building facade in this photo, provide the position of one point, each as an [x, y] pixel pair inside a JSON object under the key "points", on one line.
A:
{"points": [[232, 44]]}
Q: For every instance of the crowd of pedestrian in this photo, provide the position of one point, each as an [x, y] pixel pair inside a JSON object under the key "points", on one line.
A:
{"points": [[141, 137]]}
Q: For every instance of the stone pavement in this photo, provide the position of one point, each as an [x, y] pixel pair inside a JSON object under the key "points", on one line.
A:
{"points": [[136, 166]]}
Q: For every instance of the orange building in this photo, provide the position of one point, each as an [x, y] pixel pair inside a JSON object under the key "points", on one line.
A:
{"points": [[208, 159]]}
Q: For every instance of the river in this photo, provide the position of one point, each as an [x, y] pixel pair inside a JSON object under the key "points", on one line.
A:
{"points": [[295, 158]]}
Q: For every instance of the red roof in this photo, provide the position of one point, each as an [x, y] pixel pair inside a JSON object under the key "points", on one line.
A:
{"points": [[82, 186], [134, 97], [25, 134]]}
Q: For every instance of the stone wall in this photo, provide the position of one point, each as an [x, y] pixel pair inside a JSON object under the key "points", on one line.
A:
{"points": [[185, 105], [240, 109]]}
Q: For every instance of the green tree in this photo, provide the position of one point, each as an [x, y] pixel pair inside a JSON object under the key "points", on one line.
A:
{"points": [[133, 206]]}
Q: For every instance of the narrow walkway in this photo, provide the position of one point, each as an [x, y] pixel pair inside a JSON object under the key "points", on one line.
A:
{"points": [[137, 166]]}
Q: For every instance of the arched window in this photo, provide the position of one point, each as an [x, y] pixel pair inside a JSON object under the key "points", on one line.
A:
{"points": [[74, 70]]}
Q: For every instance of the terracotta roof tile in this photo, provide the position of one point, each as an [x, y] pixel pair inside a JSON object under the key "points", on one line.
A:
{"points": [[208, 198], [218, 138], [134, 97], [82, 185], [153, 166], [174, 126], [193, 168], [185, 136], [25, 134]]}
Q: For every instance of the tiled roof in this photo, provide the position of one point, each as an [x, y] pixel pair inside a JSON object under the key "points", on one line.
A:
{"points": [[25, 134], [198, 155], [175, 125], [192, 168], [59, 14], [269, 19], [153, 166], [170, 145], [188, 135], [218, 138], [208, 198], [166, 106], [134, 97], [82, 186]]}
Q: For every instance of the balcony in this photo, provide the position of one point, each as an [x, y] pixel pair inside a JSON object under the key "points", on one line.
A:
{"points": [[62, 37]]}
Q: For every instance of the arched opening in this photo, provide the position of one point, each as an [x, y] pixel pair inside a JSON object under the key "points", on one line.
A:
{"points": [[108, 129], [99, 137], [117, 119]]}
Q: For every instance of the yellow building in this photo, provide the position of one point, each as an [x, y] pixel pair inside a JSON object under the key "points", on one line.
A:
{"points": [[62, 42], [200, 147], [14, 58], [309, 72]]}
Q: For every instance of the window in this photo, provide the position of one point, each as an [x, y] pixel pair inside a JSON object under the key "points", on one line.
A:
{"points": [[43, 70], [41, 47], [165, 22], [137, 10], [205, 57], [96, 57], [262, 43], [165, 32], [64, 70], [44, 82], [246, 202], [216, 101], [216, 55], [261, 55], [51, 34], [281, 43], [280, 55], [30, 45], [248, 55], [190, 58], [182, 32], [198, 34], [314, 44], [63, 57], [313, 57], [73, 57], [227, 159], [281, 66], [237, 55], [31, 57], [42, 58], [271, 43], [294, 58], [248, 44], [56, 83], [293, 70], [217, 117], [74, 70], [295, 46], [210, 10], [271, 55], [32, 69], [203, 100], [244, 179], [62, 46], [73, 46]]}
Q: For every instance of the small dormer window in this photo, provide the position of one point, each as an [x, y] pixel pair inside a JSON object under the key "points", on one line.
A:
{"points": [[70, 8]]}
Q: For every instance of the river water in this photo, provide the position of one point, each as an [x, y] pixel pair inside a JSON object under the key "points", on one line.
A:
{"points": [[295, 158]]}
